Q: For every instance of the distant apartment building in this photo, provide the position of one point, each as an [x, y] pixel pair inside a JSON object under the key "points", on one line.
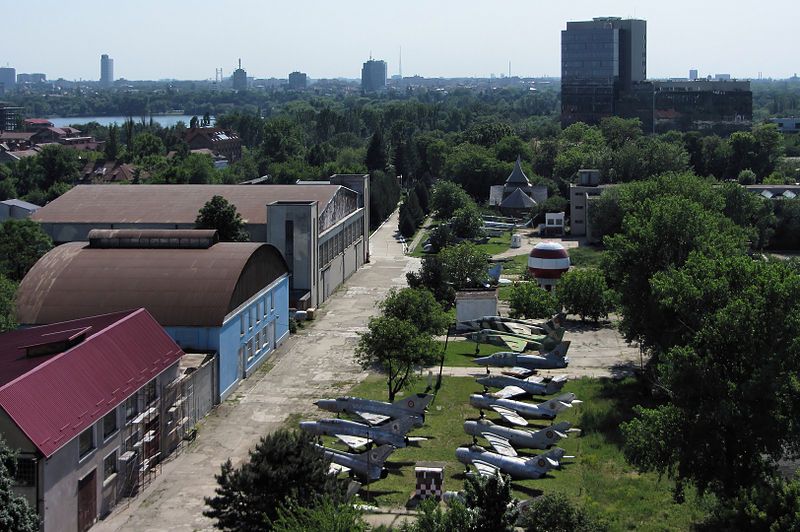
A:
{"points": [[219, 141], [10, 117], [373, 76], [600, 59], [298, 80], [106, 71], [8, 78], [239, 78], [787, 125], [692, 74], [31, 78]]}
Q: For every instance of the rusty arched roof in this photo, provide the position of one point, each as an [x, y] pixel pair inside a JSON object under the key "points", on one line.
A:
{"points": [[179, 287]]}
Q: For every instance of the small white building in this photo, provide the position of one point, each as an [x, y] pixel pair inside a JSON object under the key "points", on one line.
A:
{"points": [[474, 304], [15, 209]]}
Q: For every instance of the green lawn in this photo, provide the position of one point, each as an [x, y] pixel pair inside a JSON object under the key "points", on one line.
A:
{"points": [[586, 257], [504, 293], [496, 244], [461, 352], [598, 477], [518, 265]]}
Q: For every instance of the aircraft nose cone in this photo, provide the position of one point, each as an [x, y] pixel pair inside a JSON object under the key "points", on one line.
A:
{"points": [[461, 455], [308, 426], [325, 404], [483, 361]]}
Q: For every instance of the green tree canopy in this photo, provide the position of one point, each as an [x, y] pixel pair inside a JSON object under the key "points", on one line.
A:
{"points": [[529, 300], [218, 214], [465, 265], [325, 516], [417, 306], [467, 222], [284, 468], [22, 243], [7, 290], [583, 291], [447, 198], [146, 144], [554, 512], [15, 514]]}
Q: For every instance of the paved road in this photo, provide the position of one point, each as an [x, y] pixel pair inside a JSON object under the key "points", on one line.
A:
{"points": [[315, 363]]}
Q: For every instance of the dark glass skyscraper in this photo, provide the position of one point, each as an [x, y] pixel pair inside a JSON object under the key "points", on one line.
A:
{"points": [[373, 76], [600, 59]]}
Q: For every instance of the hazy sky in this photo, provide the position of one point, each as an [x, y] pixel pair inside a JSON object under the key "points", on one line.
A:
{"points": [[187, 39]]}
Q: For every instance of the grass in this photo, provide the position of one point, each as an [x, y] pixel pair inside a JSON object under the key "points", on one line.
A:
{"points": [[586, 257], [599, 478], [461, 352], [504, 293], [496, 244], [518, 265]]}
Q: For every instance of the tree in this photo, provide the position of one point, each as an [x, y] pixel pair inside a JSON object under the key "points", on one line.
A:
{"points": [[421, 191], [417, 306], [284, 467], [730, 377], [491, 501], [22, 243], [412, 201], [218, 214], [464, 265], [440, 237], [325, 516], [583, 291], [112, 144], [432, 276], [467, 222], [746, 177], [529, 300], [619, 131], [7, 290], [406, 224], [431, 518], [145, 144], [772, 506], [58, 163], [447, 198], [397, 348], [15, 514], [554, 512]]}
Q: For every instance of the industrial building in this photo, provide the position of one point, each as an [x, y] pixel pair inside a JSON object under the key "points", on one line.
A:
{"points": [[373, 75], [230, 299], [83, 403], [106, 71], [321, 229]]}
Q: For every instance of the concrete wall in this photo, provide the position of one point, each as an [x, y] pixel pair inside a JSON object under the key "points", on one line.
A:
{"points": [[303, 259], [474, 305]]}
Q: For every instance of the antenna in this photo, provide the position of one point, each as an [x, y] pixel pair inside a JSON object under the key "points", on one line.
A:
{"points": [[401, 62], [240, 63], [509, 68]]}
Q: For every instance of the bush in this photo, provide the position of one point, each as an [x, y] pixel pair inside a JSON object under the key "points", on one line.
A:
{"points": [[529, 300], [746, 177], [583, 291], [555, 513], [467, 222], [447, 198], [771, 506], [440, 237]]}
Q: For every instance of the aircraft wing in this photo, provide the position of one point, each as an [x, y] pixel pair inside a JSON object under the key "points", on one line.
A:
{"points": [[336, 469], [510, 416], [510, 391], [372, 419], [518, 372], [500, 444], [515, 344], [354, 442], [486, 470]]}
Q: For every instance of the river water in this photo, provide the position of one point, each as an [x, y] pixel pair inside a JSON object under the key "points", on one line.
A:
{"points": [[163, 120]]}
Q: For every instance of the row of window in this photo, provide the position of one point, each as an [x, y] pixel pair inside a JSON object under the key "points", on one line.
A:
{"points": [[258, 343], [336, 245], [251, 317]]}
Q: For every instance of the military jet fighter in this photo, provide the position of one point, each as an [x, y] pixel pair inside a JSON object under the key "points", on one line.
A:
{"points": [[505, 439], [524, 364], [511, 325], [489, 463], [367, 465], [515, 412], [374, 412], [356, 435], [518, 342], [512, 386]]}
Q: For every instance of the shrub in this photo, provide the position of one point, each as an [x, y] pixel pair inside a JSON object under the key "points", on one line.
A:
{"points": [[529, 300], [583, 291]]}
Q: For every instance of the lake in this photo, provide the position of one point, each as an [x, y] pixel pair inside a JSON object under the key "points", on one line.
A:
{"points": [[163, 120]]}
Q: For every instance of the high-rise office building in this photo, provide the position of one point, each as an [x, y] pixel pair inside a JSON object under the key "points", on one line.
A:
{"points": [[693, 74], [298, 80], [10, 117], [8, 78], [373, 76], [600, 60], [106, 71], [239, 78]]}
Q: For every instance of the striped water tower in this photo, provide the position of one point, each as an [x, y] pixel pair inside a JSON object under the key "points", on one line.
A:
{"points": [[547, 262]]}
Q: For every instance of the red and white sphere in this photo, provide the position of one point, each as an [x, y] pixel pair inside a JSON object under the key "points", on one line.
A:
{"points": [[547, 262]]}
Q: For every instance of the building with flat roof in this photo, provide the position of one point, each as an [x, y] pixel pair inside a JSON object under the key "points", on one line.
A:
{"points": [[8, 79], [298, 80], [219, 141], [373, 75], [10, 117], [239, 78], [106, 71], [16, 209], [322, 230], [83, 403], [231, 298]]}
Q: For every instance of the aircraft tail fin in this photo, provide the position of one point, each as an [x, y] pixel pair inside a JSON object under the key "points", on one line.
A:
{"points": [[378, 455], [562, 426], [495, 272], [560, 350], [416, 403], [401, 425]]}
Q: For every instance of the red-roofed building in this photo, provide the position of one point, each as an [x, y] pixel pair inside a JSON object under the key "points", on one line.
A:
{"points": [[82, 403], [35, 124]]}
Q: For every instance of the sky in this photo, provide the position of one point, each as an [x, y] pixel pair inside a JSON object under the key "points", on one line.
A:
{"points": [[188, 39]]}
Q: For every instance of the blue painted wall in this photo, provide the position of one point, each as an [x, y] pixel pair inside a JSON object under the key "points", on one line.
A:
{"points": [[247, 337]]}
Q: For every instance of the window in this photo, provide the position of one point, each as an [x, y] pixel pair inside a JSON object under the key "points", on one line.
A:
{"points": [[247, 319], [258, 311], [131, 408], [241, 325], [271, 303], [252, 317], [264, 306], [110, 424], [26, 472], [249, 351], [258, 340], [150, 394], [86, 442], [110, 465]]}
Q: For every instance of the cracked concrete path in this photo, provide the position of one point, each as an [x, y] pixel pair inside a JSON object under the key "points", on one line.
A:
{"points": [[316, 362]]}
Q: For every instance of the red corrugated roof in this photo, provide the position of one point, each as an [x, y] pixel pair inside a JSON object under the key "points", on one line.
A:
{"points": [[54, 398]]}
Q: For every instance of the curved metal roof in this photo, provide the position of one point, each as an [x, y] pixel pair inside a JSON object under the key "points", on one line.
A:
{"points": [[179, 287]]}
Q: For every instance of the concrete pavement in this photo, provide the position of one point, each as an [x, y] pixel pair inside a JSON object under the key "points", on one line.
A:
{"points": [[316, 362]]}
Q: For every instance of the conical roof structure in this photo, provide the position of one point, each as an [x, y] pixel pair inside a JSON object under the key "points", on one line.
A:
{"points": [[518, 177], [517, 200]]}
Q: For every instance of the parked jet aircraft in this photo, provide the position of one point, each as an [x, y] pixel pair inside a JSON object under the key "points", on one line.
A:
{"points": [[524, 364], [356, 435], [489, 463], [504, 440], [367, 465], [518, 342], [374, 412], [511, 325], [512, 386], [516, 411]]}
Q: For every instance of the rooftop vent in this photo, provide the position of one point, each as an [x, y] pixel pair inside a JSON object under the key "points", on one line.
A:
{"points": [[153, 238]]}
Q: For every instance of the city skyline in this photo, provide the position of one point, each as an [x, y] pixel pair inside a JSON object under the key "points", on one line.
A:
{"points": [[165, 41]]}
